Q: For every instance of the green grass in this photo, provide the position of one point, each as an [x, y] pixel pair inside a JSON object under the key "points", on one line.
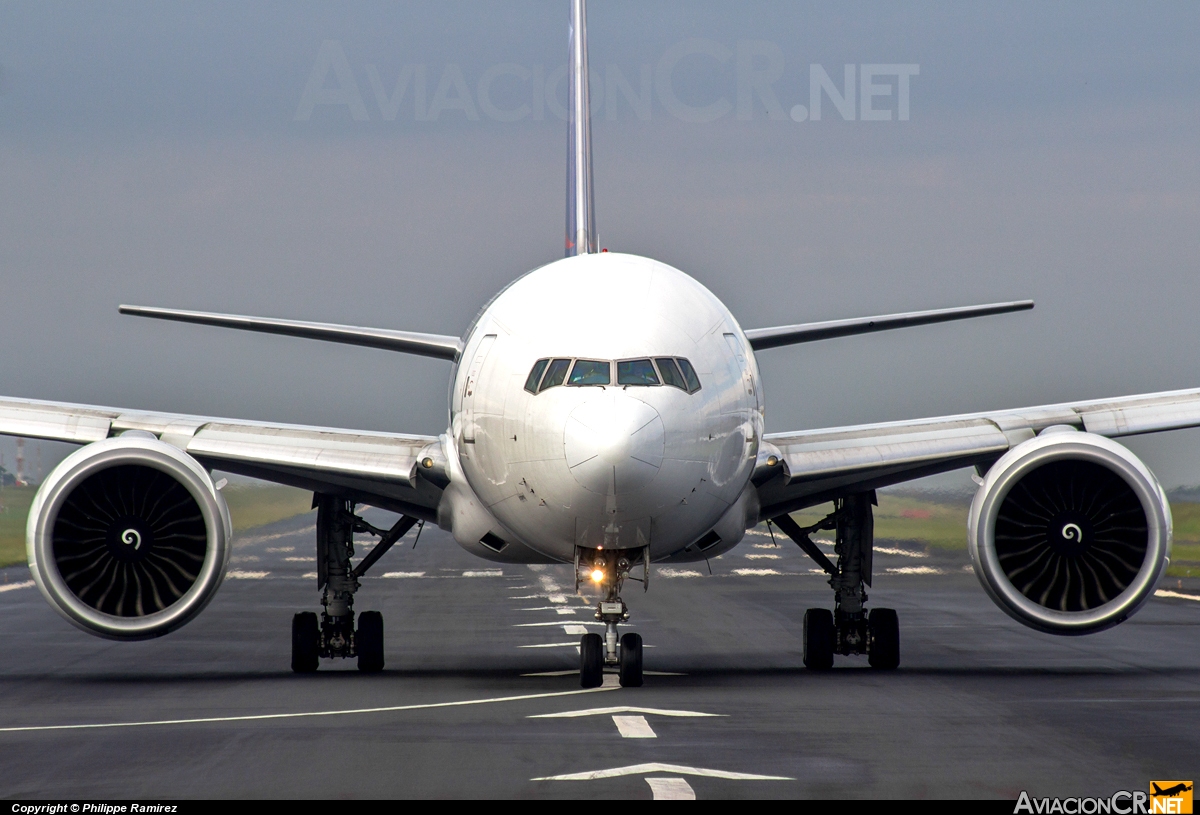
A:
{"points": [[250, 506], [910, 518], [14, 509]]}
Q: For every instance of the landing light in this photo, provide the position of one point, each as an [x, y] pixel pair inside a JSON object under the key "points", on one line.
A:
{"points": [[598, 575]]}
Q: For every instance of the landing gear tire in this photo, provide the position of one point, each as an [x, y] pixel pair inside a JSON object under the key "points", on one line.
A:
{"points": [[631, 661], [819, 638], [591, 661], [370, 641], [306, 637], [883, 639]]}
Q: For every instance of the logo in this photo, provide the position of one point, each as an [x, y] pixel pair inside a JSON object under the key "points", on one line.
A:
{"points": [[1171, 797]]}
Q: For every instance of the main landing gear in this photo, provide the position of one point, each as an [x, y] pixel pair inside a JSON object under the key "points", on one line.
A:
{"points": [[850, 628], [335, 634], [608, 570]]}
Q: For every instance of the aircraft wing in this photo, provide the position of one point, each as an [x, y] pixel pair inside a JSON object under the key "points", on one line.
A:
{"points": [[818, 465], [375, 468]]}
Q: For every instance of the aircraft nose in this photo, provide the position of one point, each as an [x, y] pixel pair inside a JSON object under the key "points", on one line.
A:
{"points": [[614, 443]]}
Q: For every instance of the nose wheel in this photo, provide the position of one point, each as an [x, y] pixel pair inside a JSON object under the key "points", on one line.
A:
{"points": [[592, 660]]}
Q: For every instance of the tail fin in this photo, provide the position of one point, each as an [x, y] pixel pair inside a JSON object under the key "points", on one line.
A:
{"points": [[581, 201]]}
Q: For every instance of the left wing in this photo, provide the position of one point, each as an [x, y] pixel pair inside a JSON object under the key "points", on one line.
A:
{"points": [[377, 468], [797, 470]]}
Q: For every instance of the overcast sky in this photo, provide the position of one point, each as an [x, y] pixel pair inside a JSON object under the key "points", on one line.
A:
{"points": [[168, 154]]}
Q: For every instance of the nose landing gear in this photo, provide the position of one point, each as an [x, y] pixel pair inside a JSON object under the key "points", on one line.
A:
{"points": [[850, 629], [608, 571]]}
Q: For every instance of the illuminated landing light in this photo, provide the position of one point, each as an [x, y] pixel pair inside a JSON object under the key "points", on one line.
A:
{"points": [[598, 575]]}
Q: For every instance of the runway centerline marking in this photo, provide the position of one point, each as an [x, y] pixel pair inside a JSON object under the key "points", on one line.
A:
{"points": [[658, 767], [634, 727], [553, 645], [310, 713], [671, 789], [609, 711], [555, 623], [12, 586]]}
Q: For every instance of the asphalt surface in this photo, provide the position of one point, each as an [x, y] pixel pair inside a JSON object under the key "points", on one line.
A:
{"points": [[980, 707]]}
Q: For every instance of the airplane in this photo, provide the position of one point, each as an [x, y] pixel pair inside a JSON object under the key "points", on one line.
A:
{"points": [[605, 411], [1169, 792]]}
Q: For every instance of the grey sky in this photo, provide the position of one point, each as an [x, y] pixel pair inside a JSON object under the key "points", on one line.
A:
{"points": [[150, 153]]}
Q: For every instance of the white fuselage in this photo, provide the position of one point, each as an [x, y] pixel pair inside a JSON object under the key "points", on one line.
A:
{"points": [[612, 466]]}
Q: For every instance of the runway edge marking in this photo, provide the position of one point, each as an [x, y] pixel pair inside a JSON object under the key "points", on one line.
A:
{"points": [[308, 714]]}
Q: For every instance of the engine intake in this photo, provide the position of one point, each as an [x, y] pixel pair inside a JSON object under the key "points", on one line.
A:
{"points": [[1070, 532], [128, 538]]}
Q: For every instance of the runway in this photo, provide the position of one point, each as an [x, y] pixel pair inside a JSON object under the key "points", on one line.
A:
{"points": [[478, 677]]}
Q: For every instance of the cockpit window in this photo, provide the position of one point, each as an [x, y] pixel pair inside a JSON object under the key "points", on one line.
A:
{"points": [[670, 373], [689, 375], [555, 374], [535, 375], [590, 372], [636, 372]]}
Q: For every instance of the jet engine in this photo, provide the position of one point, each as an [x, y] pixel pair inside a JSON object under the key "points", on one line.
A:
{"points": [[1069, 532], [128, 538]]}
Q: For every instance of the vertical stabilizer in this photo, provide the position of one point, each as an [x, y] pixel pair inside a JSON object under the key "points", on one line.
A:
{"points": [[581, 204]]}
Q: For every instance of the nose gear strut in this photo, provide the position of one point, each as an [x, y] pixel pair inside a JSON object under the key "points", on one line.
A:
{"points": [[850, 629]]}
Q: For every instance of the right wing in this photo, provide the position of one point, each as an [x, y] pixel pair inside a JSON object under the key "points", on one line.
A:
{"points": [[377, 468], [815, 466]]}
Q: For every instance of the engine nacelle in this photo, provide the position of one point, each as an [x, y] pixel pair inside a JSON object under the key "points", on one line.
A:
{"points": [[1070, 532], [128, 538]]}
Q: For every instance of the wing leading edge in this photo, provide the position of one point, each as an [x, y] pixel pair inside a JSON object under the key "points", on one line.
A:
{"points": [[439, 346], [815, 466], [377, 468]]}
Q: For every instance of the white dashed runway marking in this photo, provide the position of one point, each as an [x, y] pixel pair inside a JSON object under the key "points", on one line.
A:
{"points": [[14, 586], [1159, 593], [756, 572], [634, 727], [483, 573], [240, 574], [547, 625], [915, 570], [403, 574], [669, 572], [671, 789]]}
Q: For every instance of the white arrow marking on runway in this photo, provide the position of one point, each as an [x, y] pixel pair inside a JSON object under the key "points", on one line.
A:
{"points": [[634, 727], [657, 767], [553, 645], [671, 789], [609, 711], [610, 683], [576, 671], [576, 629]]}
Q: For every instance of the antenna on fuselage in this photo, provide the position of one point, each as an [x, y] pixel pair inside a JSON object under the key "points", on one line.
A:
{"points": [[581, 200]]}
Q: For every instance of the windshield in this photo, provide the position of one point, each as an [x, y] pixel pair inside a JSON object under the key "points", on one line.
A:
{"points": [[590, 372]]}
